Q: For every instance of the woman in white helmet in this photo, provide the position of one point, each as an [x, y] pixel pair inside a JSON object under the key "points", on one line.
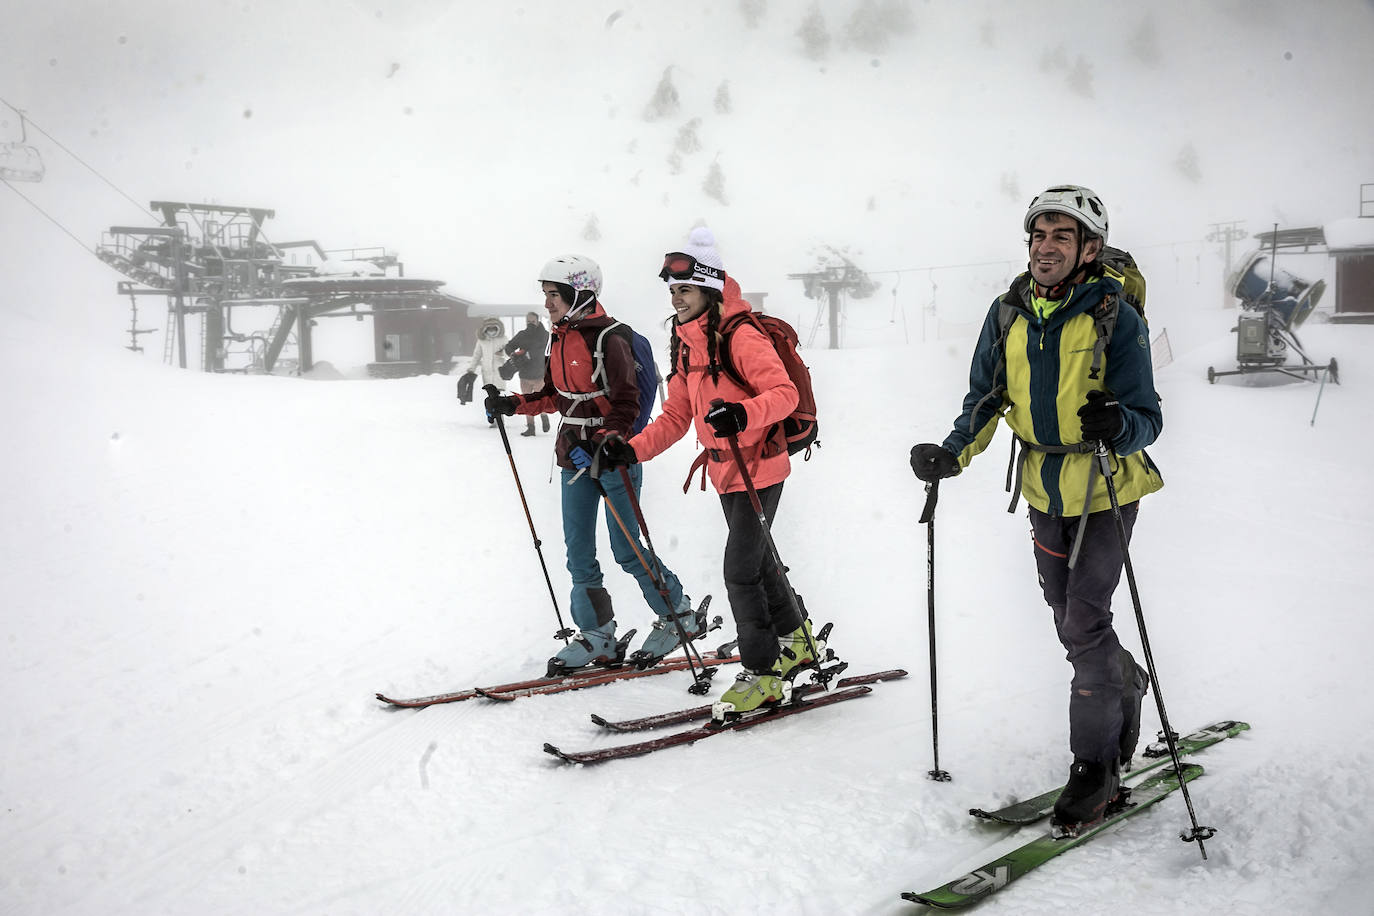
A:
{"points": [[597, 398]]}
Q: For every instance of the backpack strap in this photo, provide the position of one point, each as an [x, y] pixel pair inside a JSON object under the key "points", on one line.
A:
{"points": [[727, 331], [1006, 314], [1104, 319], [598, 372]]}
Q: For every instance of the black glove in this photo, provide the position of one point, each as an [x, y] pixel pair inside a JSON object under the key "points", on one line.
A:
{"points": [[617, 453], [499, 405], [932, 462], [1101, 417], [727, 419]]}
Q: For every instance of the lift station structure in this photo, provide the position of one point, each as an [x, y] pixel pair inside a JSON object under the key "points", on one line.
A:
{"points": [[257, 300]]}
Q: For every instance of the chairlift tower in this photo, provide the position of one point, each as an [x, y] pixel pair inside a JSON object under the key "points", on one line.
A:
{"points": [[833, 281], [204, 258]]}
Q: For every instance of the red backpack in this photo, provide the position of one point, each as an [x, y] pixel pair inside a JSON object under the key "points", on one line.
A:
{"points": [[799, 429]]}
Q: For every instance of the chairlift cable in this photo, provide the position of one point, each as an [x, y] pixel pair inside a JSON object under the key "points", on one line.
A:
{"points": [[50, 217], [88, 166]]}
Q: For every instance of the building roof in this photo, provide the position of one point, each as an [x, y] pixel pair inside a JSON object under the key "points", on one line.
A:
{"points": [[1345, 234]]}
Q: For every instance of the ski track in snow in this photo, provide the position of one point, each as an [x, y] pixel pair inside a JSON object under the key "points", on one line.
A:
{"points": [[193, 645]]}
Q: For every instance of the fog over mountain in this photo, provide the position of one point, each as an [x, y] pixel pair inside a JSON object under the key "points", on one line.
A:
{"points": [[476, 140]]}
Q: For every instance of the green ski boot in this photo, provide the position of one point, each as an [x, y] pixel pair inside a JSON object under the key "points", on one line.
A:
{"points": [[794, 651], [752, 690]]}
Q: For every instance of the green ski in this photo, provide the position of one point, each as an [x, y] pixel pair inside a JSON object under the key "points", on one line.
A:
{"points": [[1157, 755], [982, 882]]}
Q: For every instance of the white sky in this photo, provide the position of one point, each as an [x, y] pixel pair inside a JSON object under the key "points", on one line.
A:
{"points": [[477, 139]]}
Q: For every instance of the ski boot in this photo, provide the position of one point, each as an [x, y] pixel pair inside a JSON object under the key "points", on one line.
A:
{"points": [[1132, 696], [752, 690], [795, 650], [1089, 797], [595, 646], [664, 636]]}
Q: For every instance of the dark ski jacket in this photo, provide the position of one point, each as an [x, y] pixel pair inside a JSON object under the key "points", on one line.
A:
{"points": [[1046, 374], [534, 341]]}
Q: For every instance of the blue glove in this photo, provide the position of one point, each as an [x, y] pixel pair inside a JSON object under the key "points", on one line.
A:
{"points": [[727, 419], [581, 453]]}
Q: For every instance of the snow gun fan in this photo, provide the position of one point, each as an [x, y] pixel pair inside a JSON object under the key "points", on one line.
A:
{"points": [[1274, 303]]}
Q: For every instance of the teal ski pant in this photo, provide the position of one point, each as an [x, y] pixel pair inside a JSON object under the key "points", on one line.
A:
{"points": [[591, 603]]}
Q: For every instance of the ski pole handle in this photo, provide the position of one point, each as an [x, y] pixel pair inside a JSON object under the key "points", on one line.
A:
{"points": [[932, 497], [493, 391]]}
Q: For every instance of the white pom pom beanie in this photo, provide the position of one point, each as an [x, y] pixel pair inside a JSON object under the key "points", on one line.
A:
{"points": [[702, 246]]}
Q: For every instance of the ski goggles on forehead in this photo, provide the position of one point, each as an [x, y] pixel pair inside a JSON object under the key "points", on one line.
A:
{"points": [[679, 266]]}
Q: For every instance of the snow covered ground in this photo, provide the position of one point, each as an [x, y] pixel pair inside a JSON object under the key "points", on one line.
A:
{"points": [[206, 578]]}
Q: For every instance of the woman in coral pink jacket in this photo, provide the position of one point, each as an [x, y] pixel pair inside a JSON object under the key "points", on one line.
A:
{"points": [[775, 640]]}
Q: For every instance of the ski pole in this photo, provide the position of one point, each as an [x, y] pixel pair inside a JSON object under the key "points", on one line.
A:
{"points": [[564, 633], [928, 519], [822, 678], [701, 681], [1198, 834], [661, 581]]}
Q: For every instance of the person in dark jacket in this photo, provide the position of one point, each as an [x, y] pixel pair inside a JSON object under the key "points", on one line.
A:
{"points": [[596, 398], [528, 349], [1038, 369]]}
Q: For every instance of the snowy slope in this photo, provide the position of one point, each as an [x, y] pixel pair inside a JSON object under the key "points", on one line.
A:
{"points": [[206, 579]]}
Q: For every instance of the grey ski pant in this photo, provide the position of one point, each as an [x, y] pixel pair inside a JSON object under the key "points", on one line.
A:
{"points": [[1081, 599]]}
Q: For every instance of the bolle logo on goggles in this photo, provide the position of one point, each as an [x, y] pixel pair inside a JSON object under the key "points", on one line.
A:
{"points": [[679, 266]]}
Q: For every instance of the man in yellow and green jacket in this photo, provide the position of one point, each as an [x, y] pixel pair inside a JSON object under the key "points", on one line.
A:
{"points": [[1040, 364]]}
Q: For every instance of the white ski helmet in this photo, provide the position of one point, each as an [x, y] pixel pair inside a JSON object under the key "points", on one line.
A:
{"points": [[575, 270], [1073, 200]]}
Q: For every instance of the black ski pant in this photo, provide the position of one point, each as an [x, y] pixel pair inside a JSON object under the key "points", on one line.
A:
{"points": [[1081, 599], [759, 598]]}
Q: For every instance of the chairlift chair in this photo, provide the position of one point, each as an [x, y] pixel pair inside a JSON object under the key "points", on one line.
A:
{"points": [[18, 160]]}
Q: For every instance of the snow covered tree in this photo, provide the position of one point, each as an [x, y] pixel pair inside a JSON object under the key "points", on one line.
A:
{"points": [[724, 105], [1144, 44], [753, 11], [664, 102], [592, 230], [1080, 78], [814, 35], [874, 22], [714, 186], [1186, 163], [687, 140]]}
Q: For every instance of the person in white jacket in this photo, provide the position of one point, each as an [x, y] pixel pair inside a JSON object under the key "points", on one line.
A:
{"points": [[489, 354]]}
